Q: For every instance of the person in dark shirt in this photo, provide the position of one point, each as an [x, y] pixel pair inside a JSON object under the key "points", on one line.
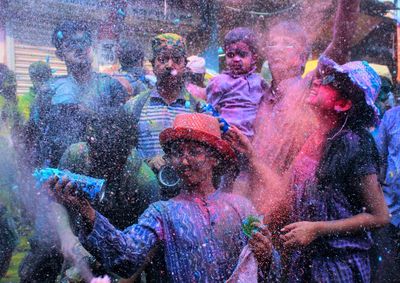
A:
{"points": [[333, 197], [75, 99], [337, 196]]}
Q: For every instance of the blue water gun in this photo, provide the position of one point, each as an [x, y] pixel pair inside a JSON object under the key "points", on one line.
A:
{"points": [[91, 187], [209, 109]]}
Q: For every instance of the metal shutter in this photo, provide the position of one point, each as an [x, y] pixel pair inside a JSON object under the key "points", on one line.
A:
{"points": [[28, 54]]}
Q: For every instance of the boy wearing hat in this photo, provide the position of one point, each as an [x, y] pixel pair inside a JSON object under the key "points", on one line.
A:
{"points": [[200, 229]]}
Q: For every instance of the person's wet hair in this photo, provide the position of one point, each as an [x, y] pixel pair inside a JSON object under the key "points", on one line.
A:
{"points": [[360, 115], [39, 71], [65, 30], [7, 82], [130, 53], [242, 34]]}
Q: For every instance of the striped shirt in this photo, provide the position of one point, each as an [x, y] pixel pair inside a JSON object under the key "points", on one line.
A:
{"points": [[156, 116]]}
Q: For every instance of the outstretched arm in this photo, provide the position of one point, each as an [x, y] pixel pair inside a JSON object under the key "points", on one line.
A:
{"points": [[343, 30], [121, 252]]}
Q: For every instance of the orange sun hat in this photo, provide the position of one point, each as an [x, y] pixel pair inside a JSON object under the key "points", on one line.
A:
{"points": [[200, 128]]}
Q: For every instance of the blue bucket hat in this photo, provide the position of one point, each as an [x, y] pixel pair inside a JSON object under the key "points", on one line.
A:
{"points": [[360, 74]]}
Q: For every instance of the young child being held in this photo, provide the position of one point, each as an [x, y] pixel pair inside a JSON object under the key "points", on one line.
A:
{"points": [[237, 92]]}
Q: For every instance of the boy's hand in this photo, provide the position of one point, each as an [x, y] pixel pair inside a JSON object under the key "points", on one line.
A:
{"points": [[261, 245], [65, 192]]}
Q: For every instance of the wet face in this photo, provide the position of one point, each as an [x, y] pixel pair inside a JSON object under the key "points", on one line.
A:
{"points": [[194, 162], [284, 52], [77, 51], [239, 58], [323, 97], [169, 67]]}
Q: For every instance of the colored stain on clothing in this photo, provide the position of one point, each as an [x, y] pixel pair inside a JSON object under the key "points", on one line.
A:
{"points": [[330, 191], [202, 238]]}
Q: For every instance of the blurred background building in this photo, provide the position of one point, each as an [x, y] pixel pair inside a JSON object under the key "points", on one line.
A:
{"points": [[26, 27]]}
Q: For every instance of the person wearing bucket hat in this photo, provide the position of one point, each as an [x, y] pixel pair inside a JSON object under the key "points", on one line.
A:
{"points": [[332, 197], [200, 229], [155, 109], [337, 197]]}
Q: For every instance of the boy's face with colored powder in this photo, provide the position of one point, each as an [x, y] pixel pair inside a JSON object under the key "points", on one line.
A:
{"points": [[239, 58], [193, 162], [77, 51]]}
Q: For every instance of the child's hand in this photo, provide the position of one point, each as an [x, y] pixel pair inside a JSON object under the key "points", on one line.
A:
{"points": [[300, 233], [261, 245]]}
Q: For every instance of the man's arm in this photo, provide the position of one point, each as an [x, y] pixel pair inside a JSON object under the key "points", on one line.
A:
{"points": [[343, 30]]}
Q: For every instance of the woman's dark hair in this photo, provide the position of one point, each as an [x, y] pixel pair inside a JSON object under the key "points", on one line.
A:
{"points": [[242, 34], [67, 29], [360, 115]]}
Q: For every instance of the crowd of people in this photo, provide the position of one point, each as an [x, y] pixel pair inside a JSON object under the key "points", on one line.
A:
{"points": [[311, 159]]}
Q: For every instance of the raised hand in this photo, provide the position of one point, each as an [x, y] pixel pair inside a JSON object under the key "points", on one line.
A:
{"points": [[240, 143]]}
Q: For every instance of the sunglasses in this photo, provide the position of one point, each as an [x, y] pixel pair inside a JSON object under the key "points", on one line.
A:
{"points": [[335, 81]]}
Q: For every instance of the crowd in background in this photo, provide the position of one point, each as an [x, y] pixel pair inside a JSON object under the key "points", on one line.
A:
{"points": [[315, 159]]}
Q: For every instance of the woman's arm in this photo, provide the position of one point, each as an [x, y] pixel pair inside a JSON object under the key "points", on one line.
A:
{"points": [[343, 30], [375, 215]]}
